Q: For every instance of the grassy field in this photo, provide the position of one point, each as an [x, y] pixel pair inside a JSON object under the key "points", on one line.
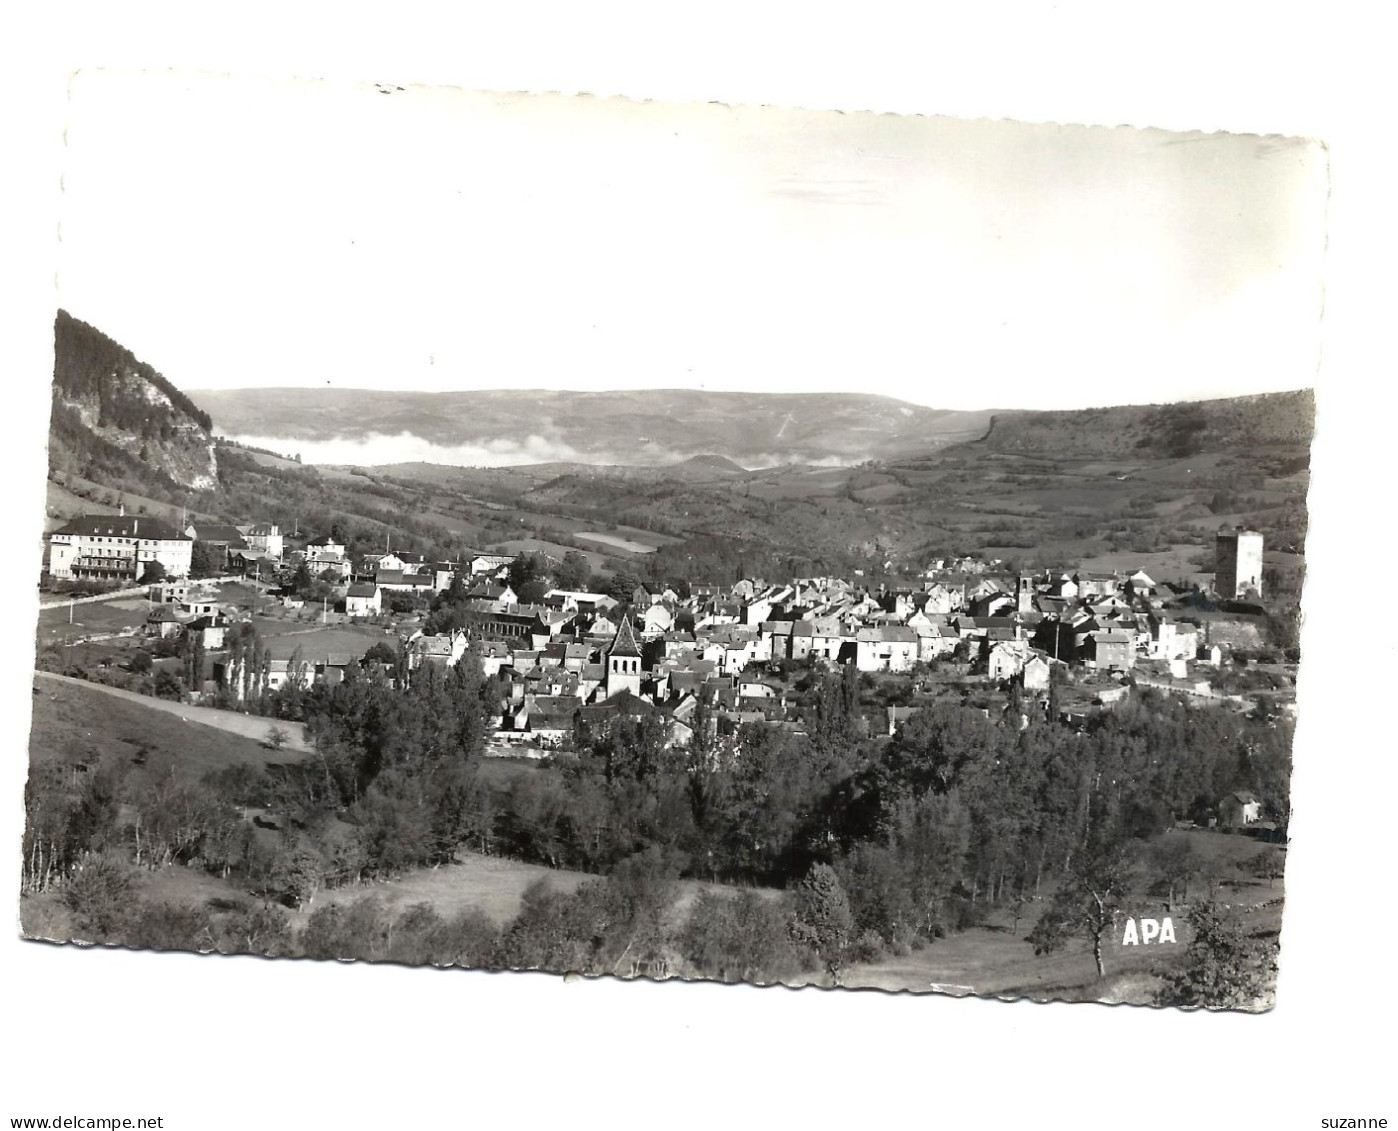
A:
{"points": [[90, 619], [492, 884], [646, 537], [614, 542], [284, 637], [77, 723]]}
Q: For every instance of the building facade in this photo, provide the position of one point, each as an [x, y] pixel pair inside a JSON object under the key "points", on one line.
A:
{"points": [[1238, 563], [263, 538], [108, 547]]}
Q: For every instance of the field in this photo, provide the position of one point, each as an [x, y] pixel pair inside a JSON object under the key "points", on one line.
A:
{"points": [[646, 537], [95, 618], [77, 721], [614, 542], [492, 884], [284, 637]]}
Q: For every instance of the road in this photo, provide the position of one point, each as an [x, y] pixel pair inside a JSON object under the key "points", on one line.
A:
{"points": [[249, 726]]}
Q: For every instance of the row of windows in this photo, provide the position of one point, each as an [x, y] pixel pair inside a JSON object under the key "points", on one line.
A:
{"points": [[62, 540]]}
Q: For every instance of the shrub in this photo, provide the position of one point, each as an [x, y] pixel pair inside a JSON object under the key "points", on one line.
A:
{"points": [[101, 893]]}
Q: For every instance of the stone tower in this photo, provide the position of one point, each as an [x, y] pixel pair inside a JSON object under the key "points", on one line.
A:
{"points": [[1238, 563], [1024, 595], [624, 660]]}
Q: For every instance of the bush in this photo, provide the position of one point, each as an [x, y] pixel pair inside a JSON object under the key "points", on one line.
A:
{"points": [[168, 926], [246, 929], [101, 894], [168, 686]]}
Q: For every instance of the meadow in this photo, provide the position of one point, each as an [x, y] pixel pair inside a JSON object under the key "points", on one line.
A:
{"points": [[96, 617], [611, 541], [146, 738]]}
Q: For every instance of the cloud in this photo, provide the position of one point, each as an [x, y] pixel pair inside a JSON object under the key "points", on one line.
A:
{"points": [[374, 449]]}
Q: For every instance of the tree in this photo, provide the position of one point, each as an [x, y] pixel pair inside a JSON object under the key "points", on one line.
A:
{"points": [[1269, 865], [526, 568], [100, 893], [169, 926], [301, 578], [1087, 904], [470, 939], [622, 586], [168, 686], [381, 651], [1175, 863], [1223, 967], [140, 661], [204, 560], [739, 938], [835, 721], [823, 921], [298, 873], [531, 592], [325, 934], [153, 572], [277, 737], [573, 572], [254, 930]]}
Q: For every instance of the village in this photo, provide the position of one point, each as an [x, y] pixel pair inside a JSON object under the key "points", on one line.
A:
{"points": [[1064, 642]]}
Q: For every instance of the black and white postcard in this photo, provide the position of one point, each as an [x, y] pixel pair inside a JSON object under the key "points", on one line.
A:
{"points": [[674, 541]]}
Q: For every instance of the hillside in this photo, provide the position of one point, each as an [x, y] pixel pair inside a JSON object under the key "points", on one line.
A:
{"points": [[1272, 420], [1146, 484], [116, 420], [653, 427]]}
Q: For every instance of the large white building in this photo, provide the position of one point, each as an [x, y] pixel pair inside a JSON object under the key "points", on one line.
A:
{"points": [[1238, 563], [117, 547]]}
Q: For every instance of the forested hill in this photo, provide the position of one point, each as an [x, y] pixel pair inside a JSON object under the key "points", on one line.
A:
{"points": [[1276, 421], [629, 428], [117, 420]]}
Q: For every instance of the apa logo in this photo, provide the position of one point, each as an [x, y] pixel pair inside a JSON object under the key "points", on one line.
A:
{"points": [[1152, 931]]}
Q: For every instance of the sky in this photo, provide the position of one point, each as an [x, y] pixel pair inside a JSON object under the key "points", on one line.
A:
{"points": [[264, 233]]}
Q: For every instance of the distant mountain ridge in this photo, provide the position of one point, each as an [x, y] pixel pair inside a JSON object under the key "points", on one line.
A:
{"points": [[114, 417], [652, 427], [1231, 423]]}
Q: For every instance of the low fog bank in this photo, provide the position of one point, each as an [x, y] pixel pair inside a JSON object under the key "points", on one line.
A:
{"points": [[377, 448]]}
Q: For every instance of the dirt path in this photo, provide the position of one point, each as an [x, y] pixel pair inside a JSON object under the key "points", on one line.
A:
{"points": [[249, 726]]}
